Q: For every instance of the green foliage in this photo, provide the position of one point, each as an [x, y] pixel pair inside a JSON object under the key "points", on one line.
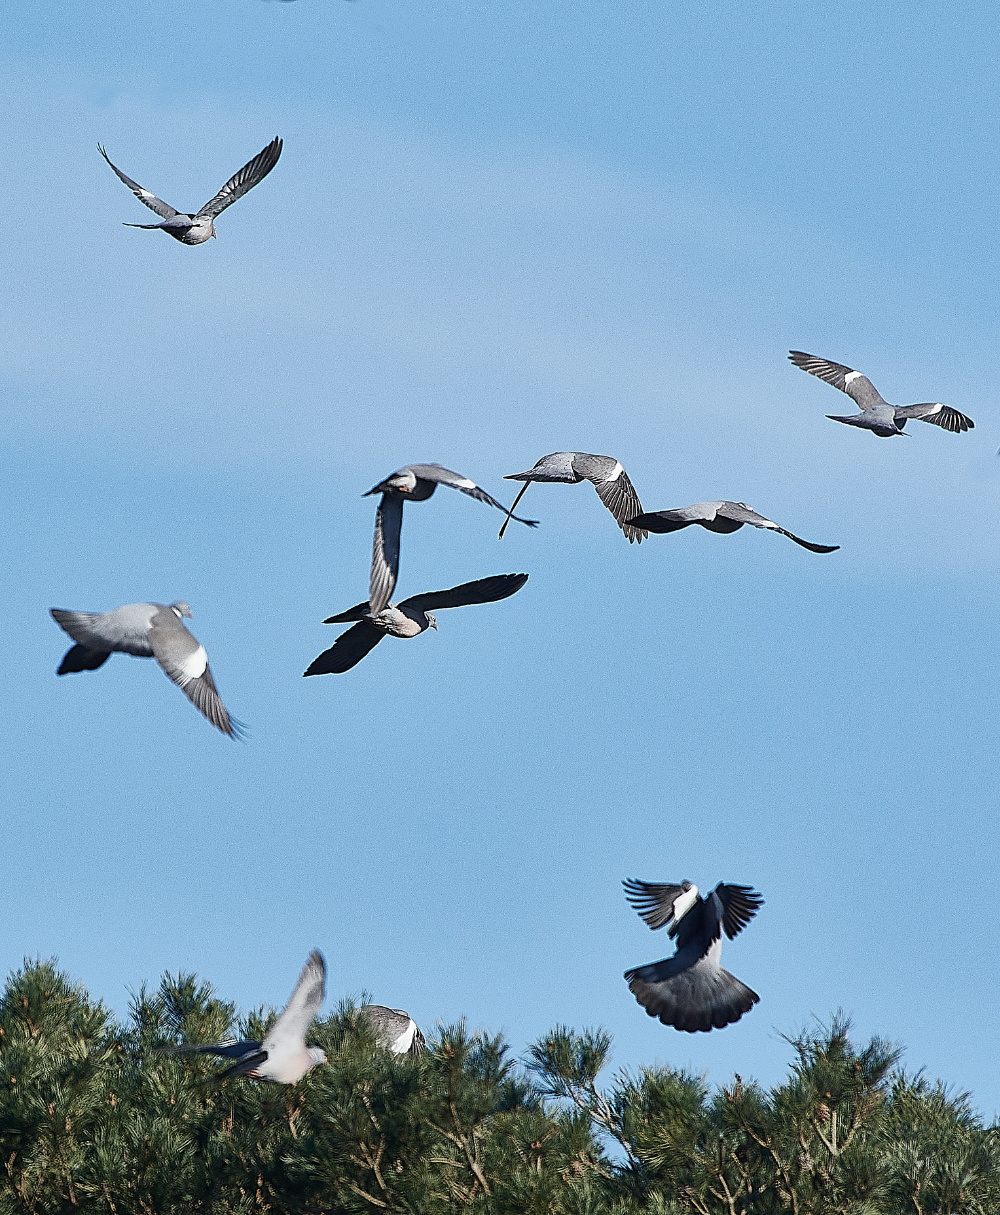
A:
{"points": [[93, 1118]]}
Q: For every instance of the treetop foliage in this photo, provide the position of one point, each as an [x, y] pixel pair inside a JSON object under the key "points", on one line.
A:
{"points": [[93, 1119]]}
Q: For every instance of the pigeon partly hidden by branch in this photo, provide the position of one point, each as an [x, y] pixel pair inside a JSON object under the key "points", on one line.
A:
{"points": [[691, 991], [393, 1029], [196, 229], [147, 630], [877, 415], [283, 1055]]}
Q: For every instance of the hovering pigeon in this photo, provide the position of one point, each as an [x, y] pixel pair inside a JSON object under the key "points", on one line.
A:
{"points": [[719, 517], [283, 1055], [407, 619], [414, 483], [876, 414], [147, 630], [608, 477], [691, 991], [394, 1029], [196, 229]]}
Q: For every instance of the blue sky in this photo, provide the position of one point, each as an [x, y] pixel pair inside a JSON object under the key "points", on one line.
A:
{"points": [[498, 230]]}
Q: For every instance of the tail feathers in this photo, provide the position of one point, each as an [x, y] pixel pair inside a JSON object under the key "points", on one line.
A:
{"points": [[80, 658], [418, 1045], [699, 999]]}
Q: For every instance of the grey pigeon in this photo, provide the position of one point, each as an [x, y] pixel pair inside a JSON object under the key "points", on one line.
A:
{"points": [[719, 517], [196, 229], [876, 414], [283, 1055], [147, 630], [407, 619], [605, 472], [394, 1029], [691, 991], [414, 483]]}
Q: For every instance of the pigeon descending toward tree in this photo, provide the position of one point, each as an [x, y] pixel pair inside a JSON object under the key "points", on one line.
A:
{"points": [[877, 414], [691, 991], [147, 630], [283, 1055], [394, 1029], [407, 619], [196, 229], [605, 472], [414, 483], [719, 517]]}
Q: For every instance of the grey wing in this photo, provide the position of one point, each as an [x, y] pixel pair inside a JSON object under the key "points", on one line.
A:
{"points": [[444, 476], [483, 590], [185, 662], [164, 210], [385, 551], [690, 998], [654, 901], [938, 415], [662, 521], [857, 386], [739, 905], [289, 1031], [126, 629], [347, 651], [619, 496], [740, 513], [253, 171]]}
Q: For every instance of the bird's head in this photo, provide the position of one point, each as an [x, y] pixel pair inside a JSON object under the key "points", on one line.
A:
{"points": [[401, 482], [431, 620], [317, 1054], [183, 609]]}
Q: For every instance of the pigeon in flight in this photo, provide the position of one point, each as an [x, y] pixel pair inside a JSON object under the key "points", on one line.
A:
{"points": [[394, 1029], [719, 517], [414, 483], [283, 1055], [147, 630], [196, 229], [608, 478], [407, 619], [877, 415], [691, 991]]}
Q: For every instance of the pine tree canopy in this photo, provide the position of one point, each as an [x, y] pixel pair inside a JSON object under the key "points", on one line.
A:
{"points": [[94, 1118]]}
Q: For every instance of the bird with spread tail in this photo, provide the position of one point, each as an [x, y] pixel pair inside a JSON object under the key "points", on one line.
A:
{"points": [[690, 990], [197, 228], [147, 630]]}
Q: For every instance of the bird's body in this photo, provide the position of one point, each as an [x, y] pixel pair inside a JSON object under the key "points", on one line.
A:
{"points": [[394, 1029], [283, 1056], [147, 630], [604, 472], [724, 517], [197, 228], [414, 483], [877, 415], [407, 619], [691, 991]]}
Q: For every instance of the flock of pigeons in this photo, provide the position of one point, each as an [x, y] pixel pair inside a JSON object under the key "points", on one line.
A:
{"points": [[690, 990]]}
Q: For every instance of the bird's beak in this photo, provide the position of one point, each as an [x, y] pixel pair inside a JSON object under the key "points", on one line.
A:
{"points": [[434, 625], [214, 234]]}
